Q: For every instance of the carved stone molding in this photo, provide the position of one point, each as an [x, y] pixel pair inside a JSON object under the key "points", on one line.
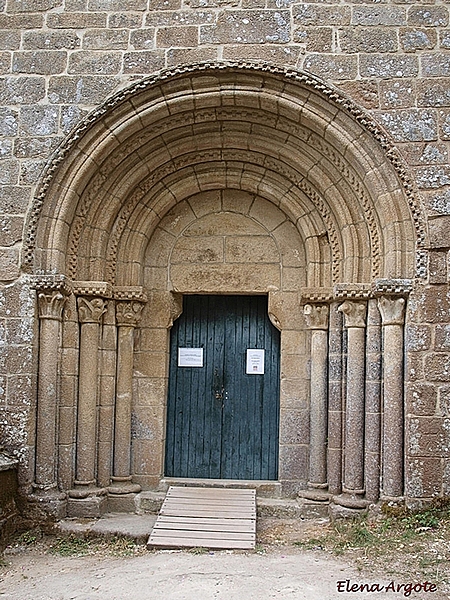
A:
{"points": [[313, 295], [129, 293], [392, 287], [90, 309], [392, 310], [92, 288], [288, 73], [128, 312], [51, 304], [354, 313], [353, 291], [46, 283], [316, 316]]}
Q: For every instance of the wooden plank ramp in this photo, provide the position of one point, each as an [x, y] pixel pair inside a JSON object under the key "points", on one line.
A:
{"points": [[198, 517]]}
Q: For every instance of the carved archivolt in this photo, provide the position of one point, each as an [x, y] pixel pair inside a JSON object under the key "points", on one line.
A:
{"points": [[298, 158]]}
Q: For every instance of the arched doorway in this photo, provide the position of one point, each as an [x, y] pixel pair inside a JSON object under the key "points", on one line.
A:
{"points": [[223, 180]]}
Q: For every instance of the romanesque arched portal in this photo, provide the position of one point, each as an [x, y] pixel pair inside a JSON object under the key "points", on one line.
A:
{"points": [[219, 179]]}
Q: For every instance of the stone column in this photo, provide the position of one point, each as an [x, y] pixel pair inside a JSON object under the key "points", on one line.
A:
{"points": [[50, 306], [90, 312], [372, 438], [355, 323], [128, 313], [392, 311], [317, 321], [335, 401]]}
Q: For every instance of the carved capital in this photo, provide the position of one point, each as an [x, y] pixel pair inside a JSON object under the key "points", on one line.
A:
{"points": [[392, 310], [51, 304], [354, 313], [90, 309], [316, 316], [128, 312]]}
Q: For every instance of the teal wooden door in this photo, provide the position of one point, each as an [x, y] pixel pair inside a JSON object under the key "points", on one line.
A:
{"points": [[222, 422]]}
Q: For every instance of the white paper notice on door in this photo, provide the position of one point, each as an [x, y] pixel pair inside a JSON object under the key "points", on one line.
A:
{"points": [[255, 361], [190, 357]]}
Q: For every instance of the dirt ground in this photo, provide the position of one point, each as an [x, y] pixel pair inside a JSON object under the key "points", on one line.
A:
{"points": [[278, 568]]}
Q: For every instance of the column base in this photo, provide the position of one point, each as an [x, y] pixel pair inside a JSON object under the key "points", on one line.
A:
{"points": [[89, 507], [50, 500], [315, 494], [352, 501], [123, 485]]}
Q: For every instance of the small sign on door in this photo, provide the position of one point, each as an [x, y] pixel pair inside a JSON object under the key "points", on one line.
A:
{"points": [[190, 357], [255, 361]]}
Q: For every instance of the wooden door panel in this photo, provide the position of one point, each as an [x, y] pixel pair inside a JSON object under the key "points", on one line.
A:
{"points": [[221, 422]]}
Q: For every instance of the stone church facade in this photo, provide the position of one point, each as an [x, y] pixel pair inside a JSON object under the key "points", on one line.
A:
{"points": [[155, 150]]}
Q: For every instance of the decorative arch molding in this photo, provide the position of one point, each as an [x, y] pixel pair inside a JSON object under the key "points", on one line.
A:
{"points": [[320, 131]]}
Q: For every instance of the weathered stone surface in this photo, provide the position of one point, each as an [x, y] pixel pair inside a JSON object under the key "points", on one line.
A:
{"points": [[410, 125], [248, 27], [39, 120], [88, 89], [379, 15], [332, 66], [388, 66], [367, 40], [397, 93], [428, 16], [435, 65], [99, 39], [40, 62], [412, 40], [35, 40], [169, 37], [317, 15], [143, 62], [21, 90], [93, 63]]}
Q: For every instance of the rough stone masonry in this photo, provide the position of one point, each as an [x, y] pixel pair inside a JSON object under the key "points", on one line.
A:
{"points": [[155, 148]]}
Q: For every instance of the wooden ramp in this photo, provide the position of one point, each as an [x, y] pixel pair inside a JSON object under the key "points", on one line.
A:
{"points": [[207, 518]]}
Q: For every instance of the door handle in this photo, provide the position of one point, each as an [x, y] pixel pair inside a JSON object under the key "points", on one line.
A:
{"points": [[219, 394]]}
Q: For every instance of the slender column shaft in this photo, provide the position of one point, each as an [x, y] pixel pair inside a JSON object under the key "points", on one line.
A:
{"points": [[392, 313], [354, 313], [90, 311], [317, 319], [372, 437], [127, 314], [50, 312], [335, 400], [122, 429]]}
